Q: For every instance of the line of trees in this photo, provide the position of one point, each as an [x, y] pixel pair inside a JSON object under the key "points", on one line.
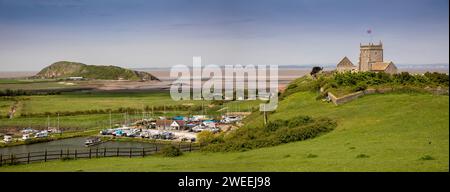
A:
{"points": [[19, 92]]}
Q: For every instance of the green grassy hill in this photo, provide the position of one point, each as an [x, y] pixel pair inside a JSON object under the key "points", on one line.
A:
{"points": [[64, 69], [386, 132]]}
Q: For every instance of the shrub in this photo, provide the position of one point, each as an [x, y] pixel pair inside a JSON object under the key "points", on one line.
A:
{"points": [[171, 151], [67, 158], [362, 156], [361, 86], [208, 137], [426, 158], [274, 133], [311, 156]]}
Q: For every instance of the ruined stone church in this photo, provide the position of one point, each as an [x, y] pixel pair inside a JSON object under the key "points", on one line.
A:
{"points": [[370, 59]]}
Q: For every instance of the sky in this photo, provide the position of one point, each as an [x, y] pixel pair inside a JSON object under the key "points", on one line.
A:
{"points": [[163, 33]]}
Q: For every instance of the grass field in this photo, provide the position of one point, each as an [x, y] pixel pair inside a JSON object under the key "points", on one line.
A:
{"points": [[99, 100], [391, 132], [33, 85], [5, 106]]}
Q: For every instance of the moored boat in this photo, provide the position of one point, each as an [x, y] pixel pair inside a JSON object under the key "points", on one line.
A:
{"points": [[92, 141]]}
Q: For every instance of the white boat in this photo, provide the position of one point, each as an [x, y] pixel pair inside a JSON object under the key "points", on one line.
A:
{"points": [[92, 141], [25, 137], [7, 138]]}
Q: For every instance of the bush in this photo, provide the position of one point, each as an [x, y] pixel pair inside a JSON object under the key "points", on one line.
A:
{"points": [[426, 158], [274, 133], [362, 156], [361, 86], [171, 151], [67, 158], [208, 137]]}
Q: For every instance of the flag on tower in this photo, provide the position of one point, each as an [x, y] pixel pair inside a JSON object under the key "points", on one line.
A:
{"points": [[369, 31]]}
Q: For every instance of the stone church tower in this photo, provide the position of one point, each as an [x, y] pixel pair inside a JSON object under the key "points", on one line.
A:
{"points": [[370, 54]]}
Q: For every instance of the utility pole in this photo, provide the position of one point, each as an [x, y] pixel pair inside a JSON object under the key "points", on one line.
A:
{"points": [[59, 129], [48, 122]]}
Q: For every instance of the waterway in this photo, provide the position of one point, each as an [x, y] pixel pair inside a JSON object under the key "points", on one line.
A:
{"points": [[71, 144]]}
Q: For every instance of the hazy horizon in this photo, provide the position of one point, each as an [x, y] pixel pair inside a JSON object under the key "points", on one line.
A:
{"points": [[159, 33]]}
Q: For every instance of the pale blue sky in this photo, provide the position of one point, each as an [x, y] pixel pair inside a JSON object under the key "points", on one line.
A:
{"points": [[161, 33]]}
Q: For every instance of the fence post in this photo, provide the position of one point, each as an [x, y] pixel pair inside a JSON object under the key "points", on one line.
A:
{"points": [[90, 153], [45, 156], [143, 152], [179, 145], [190, 147], [130, 151], [117, 151], [60, 155], [156, 147], [96, 153], [28, 158], [75, 154], [67, 153], [104, 152], [1, 160], [12, 159]]}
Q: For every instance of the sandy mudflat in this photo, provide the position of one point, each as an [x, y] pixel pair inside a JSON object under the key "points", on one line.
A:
{"points": [[16, 74], [284, 77]]}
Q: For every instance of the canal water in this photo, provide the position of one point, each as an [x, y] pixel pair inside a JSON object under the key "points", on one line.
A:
{"points": [[71, 144]]}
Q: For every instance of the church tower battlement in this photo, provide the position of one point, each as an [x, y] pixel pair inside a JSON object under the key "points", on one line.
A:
{"points": [[369, 54]]}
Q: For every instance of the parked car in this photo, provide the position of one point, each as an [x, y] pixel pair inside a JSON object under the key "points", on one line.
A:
{"points": [[167, 135], [198, 128], [230, 119], [118, 133], [28, 131], [107, 132], [145, 134], [41, 134]]}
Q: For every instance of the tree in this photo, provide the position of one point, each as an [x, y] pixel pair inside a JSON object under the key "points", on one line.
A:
{"points": [[315, 70]]}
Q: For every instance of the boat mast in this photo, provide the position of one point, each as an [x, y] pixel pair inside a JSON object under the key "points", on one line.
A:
{"points": [[48, 122], [110, 120]]}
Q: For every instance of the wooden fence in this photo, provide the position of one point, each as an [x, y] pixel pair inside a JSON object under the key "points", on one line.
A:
{"points": [[67, 154]]}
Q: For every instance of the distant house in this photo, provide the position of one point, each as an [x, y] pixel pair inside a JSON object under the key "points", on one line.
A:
{"points": [[76, 78], [170, 124], [178, 125], [346, 65], [163, 124]]}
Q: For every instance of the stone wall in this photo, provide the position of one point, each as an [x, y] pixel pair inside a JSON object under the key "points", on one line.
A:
{"points": [[355, 95], [346, 98]]}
